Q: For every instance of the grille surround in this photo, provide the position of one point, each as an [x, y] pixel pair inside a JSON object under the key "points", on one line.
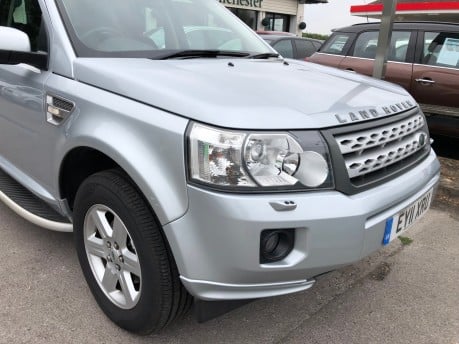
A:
{"points": [[370, 150]]}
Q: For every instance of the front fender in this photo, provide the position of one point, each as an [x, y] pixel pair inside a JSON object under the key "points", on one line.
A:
{"points": [[147, 143]]}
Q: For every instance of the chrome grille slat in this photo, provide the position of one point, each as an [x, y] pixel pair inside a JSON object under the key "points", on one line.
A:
{"points": [[363, 140], [369, 161], [367, 151]]}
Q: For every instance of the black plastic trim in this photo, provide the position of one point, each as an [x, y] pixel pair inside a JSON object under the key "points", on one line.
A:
{"points": [[283, 248], [27, 200], [38, 59], [208, 310]]}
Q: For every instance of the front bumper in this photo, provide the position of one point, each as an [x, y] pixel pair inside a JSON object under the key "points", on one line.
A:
{"points": [[216, 243]]}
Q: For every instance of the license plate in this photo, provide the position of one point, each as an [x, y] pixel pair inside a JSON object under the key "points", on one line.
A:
{"points": [[399, 223]]}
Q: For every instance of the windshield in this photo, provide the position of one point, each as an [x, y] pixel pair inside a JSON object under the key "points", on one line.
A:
{"points": [[155, 28]]}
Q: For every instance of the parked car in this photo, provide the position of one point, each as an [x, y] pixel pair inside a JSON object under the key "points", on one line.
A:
{"points": [[423, 58], [186, 177], [291, 46]]}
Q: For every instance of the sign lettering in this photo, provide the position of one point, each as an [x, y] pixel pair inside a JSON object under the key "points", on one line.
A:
{"points": [[245, 3]]}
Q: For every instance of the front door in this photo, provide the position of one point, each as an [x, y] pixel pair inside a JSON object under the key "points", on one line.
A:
{"points": [[26, 149]]}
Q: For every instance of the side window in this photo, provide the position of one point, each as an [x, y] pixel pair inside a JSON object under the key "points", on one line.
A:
{"points": [[25, 15], [284, 47], [441, 49], [317, 45], [399, 46], [367, 43], [335, 45], [304, 48]]}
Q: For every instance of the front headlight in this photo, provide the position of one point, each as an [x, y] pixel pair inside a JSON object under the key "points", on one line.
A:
{"points": [[237, 160]]}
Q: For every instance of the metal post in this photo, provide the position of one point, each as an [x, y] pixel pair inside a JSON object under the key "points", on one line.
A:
{"points": [[385, 36]]}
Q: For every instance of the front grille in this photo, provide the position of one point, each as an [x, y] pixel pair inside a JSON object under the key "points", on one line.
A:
{"points": [[368, 151]]}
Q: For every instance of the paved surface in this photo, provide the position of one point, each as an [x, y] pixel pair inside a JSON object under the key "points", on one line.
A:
{"points": [[403, 294]]}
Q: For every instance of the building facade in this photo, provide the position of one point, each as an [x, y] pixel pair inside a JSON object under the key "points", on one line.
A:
{"points": [[269, 15]]}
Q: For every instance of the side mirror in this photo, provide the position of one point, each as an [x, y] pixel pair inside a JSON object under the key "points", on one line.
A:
{"points": [[15, 49], [14, 40]]}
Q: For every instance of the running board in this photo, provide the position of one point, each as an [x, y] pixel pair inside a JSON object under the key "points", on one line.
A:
{"points": [[30, 207]]}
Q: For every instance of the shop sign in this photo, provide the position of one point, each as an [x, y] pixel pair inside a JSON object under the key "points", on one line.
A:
{"points": [[244, 3]]}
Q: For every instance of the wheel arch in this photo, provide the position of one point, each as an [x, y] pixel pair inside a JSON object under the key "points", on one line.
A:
{"points": [[82, 161], [79, 164]]}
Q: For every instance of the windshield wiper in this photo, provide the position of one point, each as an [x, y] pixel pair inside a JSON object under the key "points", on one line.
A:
{"points": [[202, 53], [263, 56]]}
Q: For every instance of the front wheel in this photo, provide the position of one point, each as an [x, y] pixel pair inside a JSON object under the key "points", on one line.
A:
{"points": [[124, 255]]}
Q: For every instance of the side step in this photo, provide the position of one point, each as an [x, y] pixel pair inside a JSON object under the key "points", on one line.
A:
{"points": [[30, 207]]}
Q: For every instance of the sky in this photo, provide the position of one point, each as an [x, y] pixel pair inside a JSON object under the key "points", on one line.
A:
{"points": [[322, 18]]}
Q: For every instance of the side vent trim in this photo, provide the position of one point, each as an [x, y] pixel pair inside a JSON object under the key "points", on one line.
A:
{"points": [[58, 109]]}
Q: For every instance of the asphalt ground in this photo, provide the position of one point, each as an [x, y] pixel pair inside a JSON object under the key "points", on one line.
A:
{"points": [[401, 294]]}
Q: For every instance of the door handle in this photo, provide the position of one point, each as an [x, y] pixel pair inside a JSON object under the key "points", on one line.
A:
{"points": [[425, 82], [350, 70]]}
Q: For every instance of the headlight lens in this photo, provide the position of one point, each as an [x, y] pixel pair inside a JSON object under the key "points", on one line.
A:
{"points": [[216, 157], [240, 160], [265, 159]]}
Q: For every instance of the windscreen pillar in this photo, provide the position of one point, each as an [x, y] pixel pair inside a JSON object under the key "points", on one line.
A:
{"points": [[385, 36]]}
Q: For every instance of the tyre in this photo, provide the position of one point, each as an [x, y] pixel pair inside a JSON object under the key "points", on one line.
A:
{"points": [[124, 255]]}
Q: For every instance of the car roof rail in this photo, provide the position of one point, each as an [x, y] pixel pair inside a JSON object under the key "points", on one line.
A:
{"points": [[410, 22]]}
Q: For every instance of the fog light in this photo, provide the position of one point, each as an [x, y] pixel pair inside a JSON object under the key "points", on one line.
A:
{"points": [[276, 244]]}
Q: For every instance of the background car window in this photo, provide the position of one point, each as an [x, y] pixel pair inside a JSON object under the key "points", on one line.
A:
{"points": [[285, 48], [25, 15], [367, 43], [304, 48], [399, 46], [317, 45], [441, 49], [335, 45]]}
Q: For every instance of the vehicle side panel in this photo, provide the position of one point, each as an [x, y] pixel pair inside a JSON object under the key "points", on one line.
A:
{"points": [[147, 143], [399, 73], [326, 59], [443, 92]]}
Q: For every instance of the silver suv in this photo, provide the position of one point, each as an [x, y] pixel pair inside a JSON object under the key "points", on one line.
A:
{"points": [[191, 161]]}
